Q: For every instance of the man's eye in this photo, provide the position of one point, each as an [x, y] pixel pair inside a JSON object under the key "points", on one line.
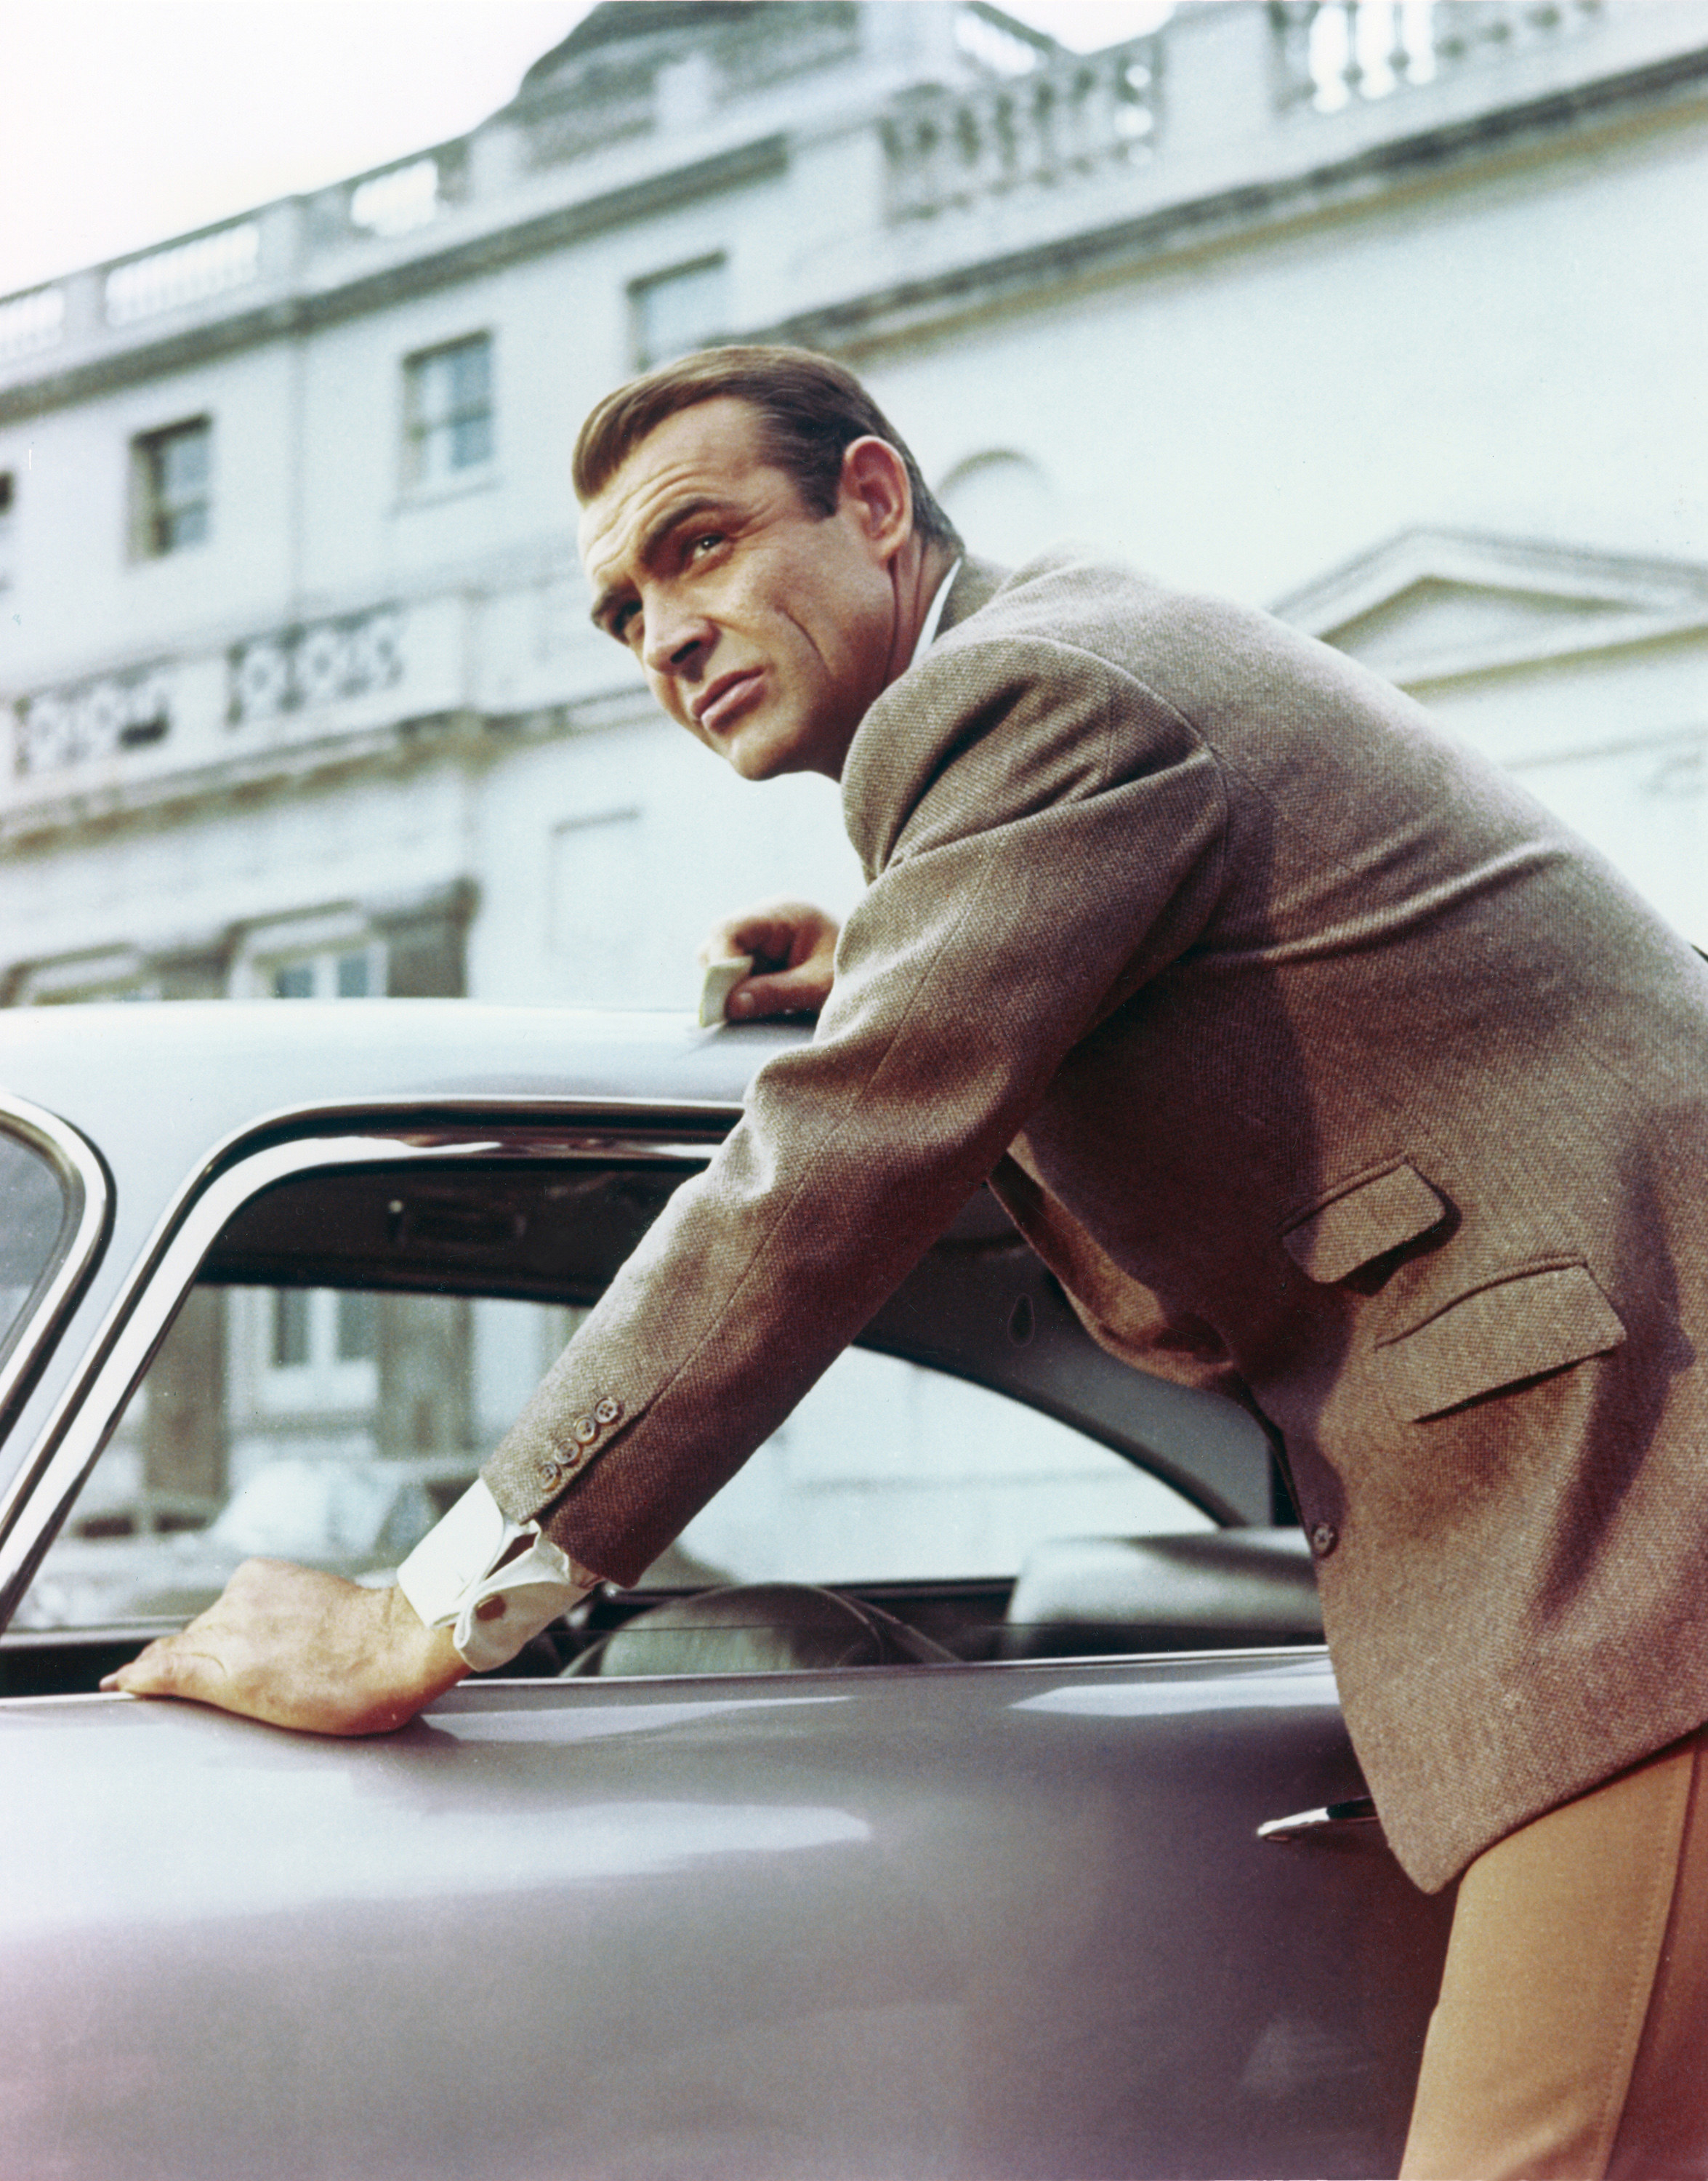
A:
{"points": [[706, 542], [624, 622]]}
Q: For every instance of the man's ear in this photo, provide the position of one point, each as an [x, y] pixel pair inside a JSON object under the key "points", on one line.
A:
{"points": [[874, 490]]}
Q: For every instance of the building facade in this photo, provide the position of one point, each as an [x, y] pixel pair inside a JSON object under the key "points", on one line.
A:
{"points": [[1386, 313]]}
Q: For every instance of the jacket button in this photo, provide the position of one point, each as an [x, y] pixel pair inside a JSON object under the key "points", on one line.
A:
{"points": [[548, 1473], [609, 1411], [585, 1430], [1324, 1537]]}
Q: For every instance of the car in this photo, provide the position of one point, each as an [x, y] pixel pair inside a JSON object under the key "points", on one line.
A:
{"points": [[965, 1796]]}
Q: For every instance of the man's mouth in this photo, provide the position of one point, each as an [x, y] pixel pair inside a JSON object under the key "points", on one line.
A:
{"points": [[723, 700]]}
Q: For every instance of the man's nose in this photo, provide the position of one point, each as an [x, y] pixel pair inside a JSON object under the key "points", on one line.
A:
{"points": [[677, 642]]}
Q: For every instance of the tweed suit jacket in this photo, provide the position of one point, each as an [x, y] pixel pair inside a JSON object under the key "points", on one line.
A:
{"points": [[1322, 1065]]}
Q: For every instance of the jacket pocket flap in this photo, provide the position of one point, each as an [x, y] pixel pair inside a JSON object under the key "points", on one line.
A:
{"points": [[1518, 1328], [1373, 1216]]}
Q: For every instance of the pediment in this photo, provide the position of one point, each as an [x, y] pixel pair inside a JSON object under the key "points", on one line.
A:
{"points": [[1431, 604]]}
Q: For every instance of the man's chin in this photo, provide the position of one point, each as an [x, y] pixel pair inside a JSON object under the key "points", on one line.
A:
{"points": [[760, 756], [758, 764]]}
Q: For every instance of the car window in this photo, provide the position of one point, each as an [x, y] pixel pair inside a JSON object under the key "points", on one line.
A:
{"points": [[891, 1473], [334, 1427], [36, 1216]]}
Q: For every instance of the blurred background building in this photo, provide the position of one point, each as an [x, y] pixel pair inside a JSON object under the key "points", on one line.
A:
{"points": [[1383, 313]]}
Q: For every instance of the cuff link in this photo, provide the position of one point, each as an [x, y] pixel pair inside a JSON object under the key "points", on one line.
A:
{"points": [[1323, 1537]]}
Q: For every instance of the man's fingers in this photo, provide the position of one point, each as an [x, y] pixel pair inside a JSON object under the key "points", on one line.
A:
{"points": [[170, 1666], [783, 992], [764, 938], [780, 934]]}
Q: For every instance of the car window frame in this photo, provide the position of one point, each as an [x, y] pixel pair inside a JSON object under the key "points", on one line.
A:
{"points": [[83, 1420]]}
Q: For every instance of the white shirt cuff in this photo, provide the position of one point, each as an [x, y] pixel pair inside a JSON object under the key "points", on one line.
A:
{"points": [[494, 1583]]}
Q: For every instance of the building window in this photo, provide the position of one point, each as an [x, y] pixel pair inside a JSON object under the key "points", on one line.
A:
{"points": [[323, 1326], [320, 1352], [330, 972], [448, 411], [174, 472], [673, 313], [8, 500]]}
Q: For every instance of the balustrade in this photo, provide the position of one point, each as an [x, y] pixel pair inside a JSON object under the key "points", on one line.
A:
{"points": [[298, 669], [398, 199], [58, 728], [1334, 52], [289, 671], [32, 322], [1084, 116], [186, 273]]}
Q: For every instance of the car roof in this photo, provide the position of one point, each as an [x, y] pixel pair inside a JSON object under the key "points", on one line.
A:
{"points": [[181, 1076]]}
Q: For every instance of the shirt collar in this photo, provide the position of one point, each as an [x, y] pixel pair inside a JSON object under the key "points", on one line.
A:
{"points": [[928, 634]]}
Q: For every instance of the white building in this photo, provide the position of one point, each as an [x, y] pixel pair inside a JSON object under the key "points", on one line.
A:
{"points": [[1388, 313]]}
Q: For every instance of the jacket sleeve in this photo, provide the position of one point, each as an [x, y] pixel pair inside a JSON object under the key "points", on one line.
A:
{"points": [[1045, 835]]}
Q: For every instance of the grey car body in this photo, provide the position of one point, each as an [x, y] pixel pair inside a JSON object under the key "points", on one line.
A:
{"points": [[978, 1892]]}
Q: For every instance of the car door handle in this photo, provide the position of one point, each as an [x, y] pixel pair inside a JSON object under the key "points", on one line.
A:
{"points": [[1321, 1825]]}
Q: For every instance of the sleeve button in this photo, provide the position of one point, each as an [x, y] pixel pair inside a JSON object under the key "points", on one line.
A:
{"points": [[585, 1430], [609, 1411], [548, 1473]]}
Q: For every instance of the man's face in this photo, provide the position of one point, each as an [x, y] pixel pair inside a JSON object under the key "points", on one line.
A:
{"points": [[766, 630]]}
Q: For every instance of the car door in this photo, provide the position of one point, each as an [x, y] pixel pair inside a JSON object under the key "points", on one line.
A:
{"points": [[977, 1907]]}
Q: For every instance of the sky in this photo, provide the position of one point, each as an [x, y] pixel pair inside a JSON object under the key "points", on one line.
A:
{"points": [[127, 121]]}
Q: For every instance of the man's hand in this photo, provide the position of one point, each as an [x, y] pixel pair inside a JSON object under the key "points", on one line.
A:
{"points": [[793, 946], [300, 1649]]}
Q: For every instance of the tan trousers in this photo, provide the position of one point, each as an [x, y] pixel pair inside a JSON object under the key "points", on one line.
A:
{"points": [[1570, 2041]]}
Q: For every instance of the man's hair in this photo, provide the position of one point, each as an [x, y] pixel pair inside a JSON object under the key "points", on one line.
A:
{"points": [[810, 411]]}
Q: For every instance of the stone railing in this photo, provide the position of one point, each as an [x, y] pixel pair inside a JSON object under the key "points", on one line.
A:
{"points": [[262, 247], [98, 718], [298, 669], [1081, 116], [290, 672], [395, 200], [1334, 52], [183, 273], [32, 322]]}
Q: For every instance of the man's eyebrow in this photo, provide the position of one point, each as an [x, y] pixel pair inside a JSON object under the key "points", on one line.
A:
{"points": [[669, 519]]}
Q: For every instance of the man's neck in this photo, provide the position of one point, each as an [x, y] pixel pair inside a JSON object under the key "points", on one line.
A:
{"points": [[921, 569]]}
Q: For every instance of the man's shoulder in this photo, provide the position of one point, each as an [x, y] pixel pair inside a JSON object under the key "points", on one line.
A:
{"points": [[1071, 589], [1051, 652]]}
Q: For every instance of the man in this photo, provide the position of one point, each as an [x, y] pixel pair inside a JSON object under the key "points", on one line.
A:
{"points": [[1321, 1065]]}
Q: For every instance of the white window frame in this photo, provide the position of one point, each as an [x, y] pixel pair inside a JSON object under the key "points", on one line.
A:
{"points": [[150, 507], [420, 477], [324, 1382]]}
